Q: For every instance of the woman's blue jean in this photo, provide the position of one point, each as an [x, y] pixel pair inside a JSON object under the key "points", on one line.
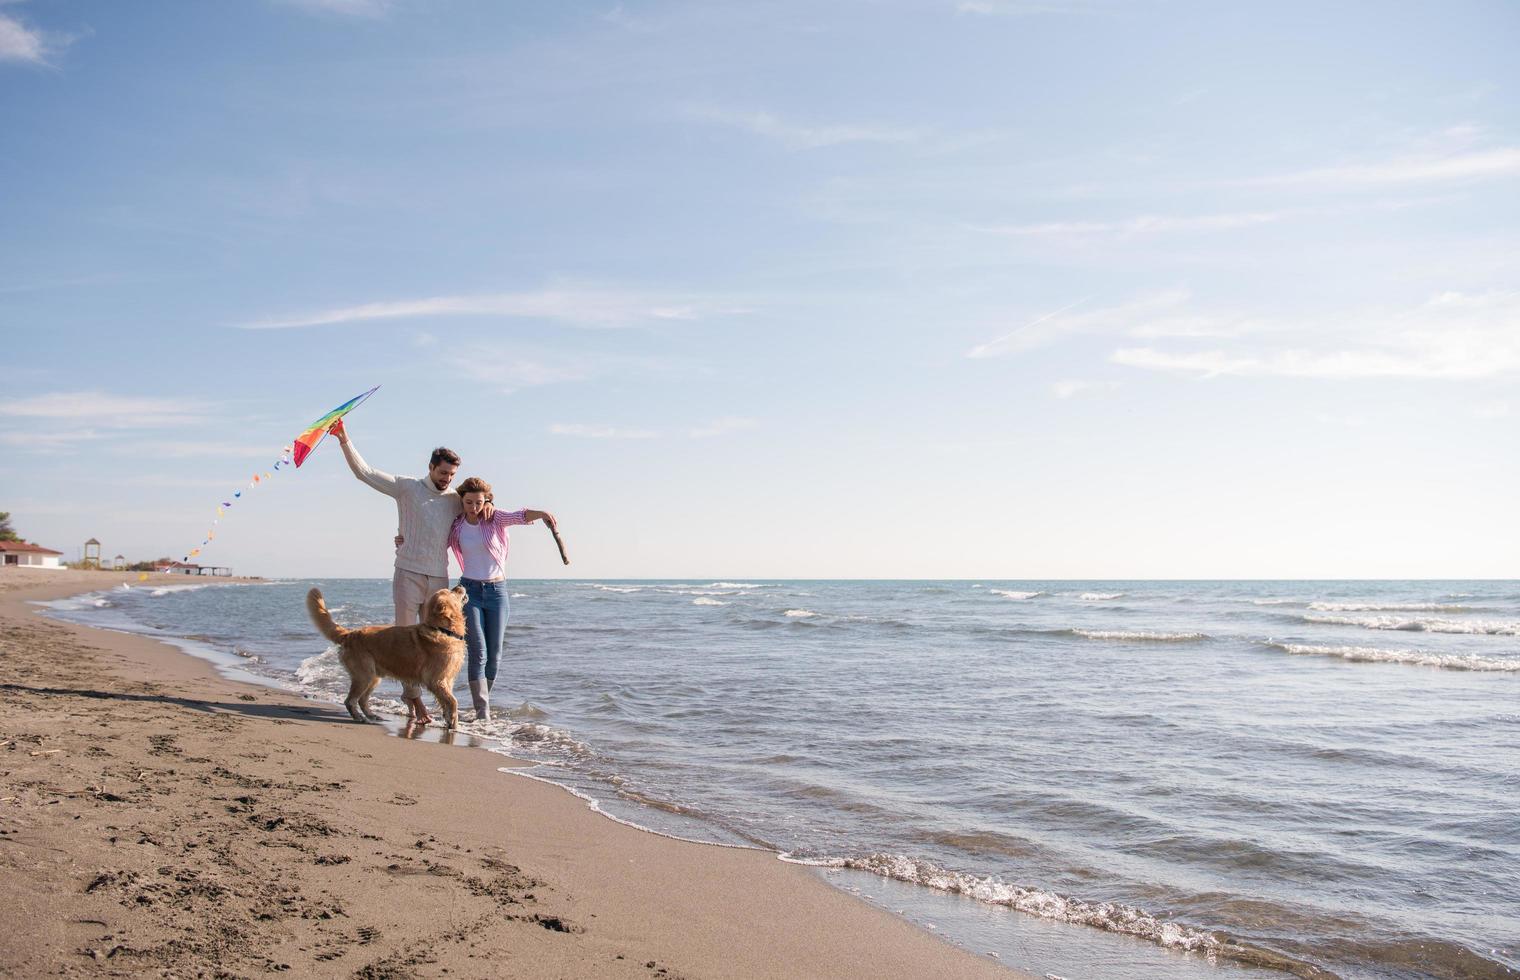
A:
{"points": [[485, 626]]}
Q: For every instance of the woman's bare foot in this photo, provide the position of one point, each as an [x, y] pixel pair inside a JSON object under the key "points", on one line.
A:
{"points": [[420, 712]]}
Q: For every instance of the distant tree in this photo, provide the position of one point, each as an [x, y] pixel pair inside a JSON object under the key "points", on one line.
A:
{"points": [[7, 533]]}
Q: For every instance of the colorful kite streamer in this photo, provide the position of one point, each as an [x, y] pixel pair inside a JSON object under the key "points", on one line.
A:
{"points": [[295, 453]]}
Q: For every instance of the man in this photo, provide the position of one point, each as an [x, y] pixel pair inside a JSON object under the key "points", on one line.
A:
{"points": [[426, 509]]}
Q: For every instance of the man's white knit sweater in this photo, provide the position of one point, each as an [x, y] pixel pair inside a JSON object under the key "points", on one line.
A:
{"points": [[426, 514]]}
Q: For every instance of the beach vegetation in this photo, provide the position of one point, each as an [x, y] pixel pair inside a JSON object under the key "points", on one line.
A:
{"points": [[7, 533]]}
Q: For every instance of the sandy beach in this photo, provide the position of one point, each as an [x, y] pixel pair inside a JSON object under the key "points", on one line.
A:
{"points": [[158, 818]]}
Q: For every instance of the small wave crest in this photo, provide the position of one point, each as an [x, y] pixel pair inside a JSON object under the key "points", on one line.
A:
{"points": [[1109, 916], [1488, 627], [1014, 594], [1100, 596], [1423, 658], [1141, 636], [704, 601], [1387, 607], [799, 613]]}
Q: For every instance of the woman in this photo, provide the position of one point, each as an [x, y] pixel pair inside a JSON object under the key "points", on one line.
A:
{"points": [[480, 545]]}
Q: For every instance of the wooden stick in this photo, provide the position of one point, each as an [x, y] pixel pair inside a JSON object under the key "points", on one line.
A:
{"points": [[558, 542]]}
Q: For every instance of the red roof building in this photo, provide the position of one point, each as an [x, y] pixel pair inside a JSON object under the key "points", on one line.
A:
{"points": [[24, 554]]}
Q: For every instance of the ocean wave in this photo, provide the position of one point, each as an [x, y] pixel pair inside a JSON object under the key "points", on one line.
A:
{"points": [[1109, 916], [324, 672], [733, 585], [1275, 602], [704, 601], [1012, 594], [1100, 596], [166, 589], [1423, 658], [1387, 607], [1141, 636], [799, 613], [620, 589], [1487, 627]]}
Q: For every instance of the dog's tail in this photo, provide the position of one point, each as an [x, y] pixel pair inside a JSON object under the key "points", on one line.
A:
{"points": [[319, 615]]}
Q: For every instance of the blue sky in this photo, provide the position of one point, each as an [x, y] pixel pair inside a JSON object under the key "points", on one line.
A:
{"points": [[904, 288]]}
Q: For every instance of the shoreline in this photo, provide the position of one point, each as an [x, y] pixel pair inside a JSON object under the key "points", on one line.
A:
{"points": [[158, 815]]}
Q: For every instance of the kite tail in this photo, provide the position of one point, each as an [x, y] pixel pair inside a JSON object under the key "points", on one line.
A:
{"points": [[319, 615]]}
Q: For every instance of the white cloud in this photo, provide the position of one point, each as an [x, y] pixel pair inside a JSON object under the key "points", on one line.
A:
{"points": [[61, 441], [799, 136], [1026, 8], [1153, 312], [99, 408], [600, 431], [522, 368], [577, 306], [1142, 225], [180, 449], [722, 426], [1498, 162], [21, 43], [343, 8], [1453, 336], [1071, 388], [1498, 409]]}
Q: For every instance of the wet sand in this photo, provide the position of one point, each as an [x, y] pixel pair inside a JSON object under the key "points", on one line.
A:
{"points": [[158, 818]]}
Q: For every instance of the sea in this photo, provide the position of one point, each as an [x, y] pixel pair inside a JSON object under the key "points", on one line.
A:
{"points": [[1081, 779]]}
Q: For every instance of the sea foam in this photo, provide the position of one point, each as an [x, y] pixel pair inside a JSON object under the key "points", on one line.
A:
{"points": [[1423, 658], [1109, 916], [1488, 627], [1386, 607], [1141, 636]]}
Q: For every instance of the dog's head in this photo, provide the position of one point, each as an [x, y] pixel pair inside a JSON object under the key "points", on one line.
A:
{"points": [[444, 609]]}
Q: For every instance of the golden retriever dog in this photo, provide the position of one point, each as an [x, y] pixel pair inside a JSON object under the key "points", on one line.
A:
{"points": [[428, 654]]}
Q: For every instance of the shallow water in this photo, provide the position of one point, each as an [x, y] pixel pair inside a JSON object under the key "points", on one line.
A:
{"points": [[1317, 776]]}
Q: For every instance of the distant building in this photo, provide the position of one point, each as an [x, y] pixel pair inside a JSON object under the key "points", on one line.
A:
{"points": [[190, 568], [24, 554], [119, 562]]}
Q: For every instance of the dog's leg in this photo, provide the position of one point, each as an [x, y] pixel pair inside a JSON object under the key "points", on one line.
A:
{"points": [[358, 691], [447, 703], [369, 689]]}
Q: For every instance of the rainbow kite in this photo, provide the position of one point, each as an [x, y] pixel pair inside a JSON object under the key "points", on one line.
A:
{"points": [[307, 442]]}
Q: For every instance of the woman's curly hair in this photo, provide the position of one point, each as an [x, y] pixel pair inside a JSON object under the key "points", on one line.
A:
{"points": [[476, 485]]}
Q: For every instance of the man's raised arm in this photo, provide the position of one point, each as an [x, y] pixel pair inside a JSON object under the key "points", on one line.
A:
{"points": [[381, 481]]}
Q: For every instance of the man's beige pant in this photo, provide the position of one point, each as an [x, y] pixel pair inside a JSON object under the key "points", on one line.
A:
{"points": [[409, 590]]}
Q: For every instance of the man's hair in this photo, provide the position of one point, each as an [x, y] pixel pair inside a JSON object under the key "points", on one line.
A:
{"points": [[475, 485], [443, 455]]}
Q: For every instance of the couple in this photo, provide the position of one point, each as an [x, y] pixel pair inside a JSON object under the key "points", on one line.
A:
{"points": [[434, 520]]}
